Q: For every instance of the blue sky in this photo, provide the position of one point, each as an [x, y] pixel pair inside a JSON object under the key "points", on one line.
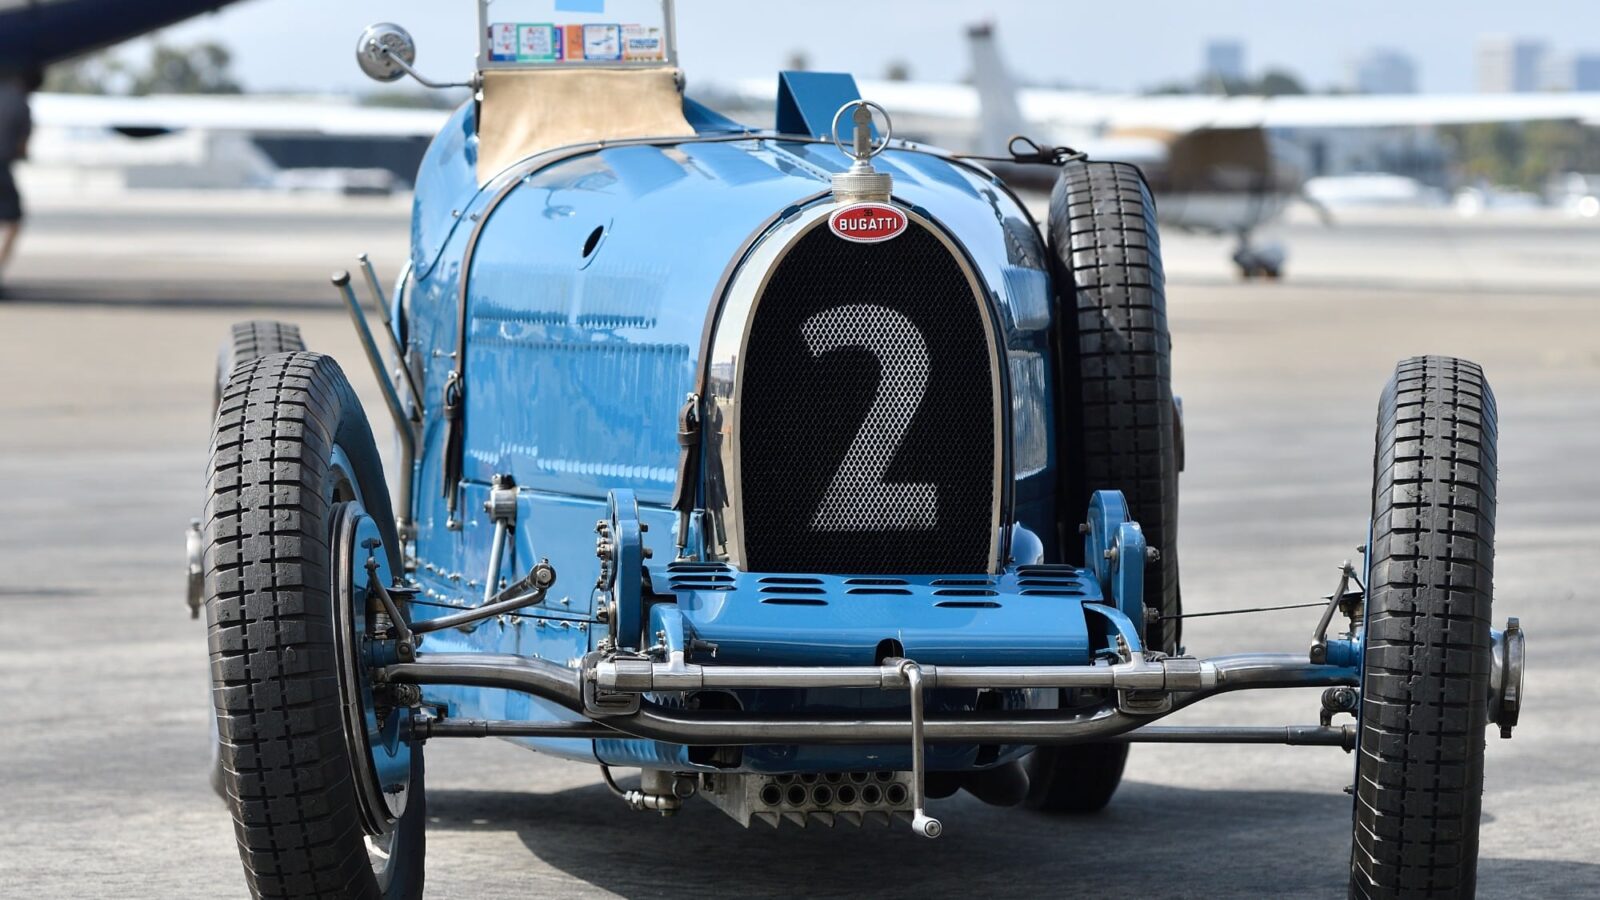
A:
{"points": [[307, 44]]}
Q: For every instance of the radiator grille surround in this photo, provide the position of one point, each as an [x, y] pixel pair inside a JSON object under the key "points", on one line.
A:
{"points": [[867, 411]]}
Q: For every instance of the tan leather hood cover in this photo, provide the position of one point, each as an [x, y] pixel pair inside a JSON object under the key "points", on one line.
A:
{"points": [[525, 112]]}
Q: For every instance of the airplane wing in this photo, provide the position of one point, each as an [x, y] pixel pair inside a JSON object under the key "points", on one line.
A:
{"points": [[1054, 111], [255, 115], [1352, 111], [40, 32], [1179, 113]]}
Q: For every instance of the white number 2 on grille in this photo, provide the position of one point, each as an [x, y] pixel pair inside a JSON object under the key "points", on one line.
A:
{"points": [[858, 499]]}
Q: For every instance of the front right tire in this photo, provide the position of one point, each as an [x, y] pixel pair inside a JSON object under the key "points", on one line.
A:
{"points": [[247, 341], [291, 458], [1427, 646]]}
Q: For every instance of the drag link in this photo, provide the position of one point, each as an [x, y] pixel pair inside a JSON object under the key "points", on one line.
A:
{"points": [[1342, 736]]}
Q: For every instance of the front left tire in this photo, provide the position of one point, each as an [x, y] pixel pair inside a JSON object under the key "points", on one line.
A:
{"points": [[296, 503], [1118, 420]]}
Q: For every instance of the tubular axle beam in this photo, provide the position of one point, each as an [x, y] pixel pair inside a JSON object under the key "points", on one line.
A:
{"points": [[1288, 735], [564, 686]]}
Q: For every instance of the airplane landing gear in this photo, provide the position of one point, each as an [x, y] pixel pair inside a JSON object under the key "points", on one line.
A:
{"points": [[1259, 260]]}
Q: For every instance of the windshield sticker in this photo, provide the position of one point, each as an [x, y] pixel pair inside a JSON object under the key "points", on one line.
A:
{"points": [[572, 42], [602, 42], [642, 43], [538, 43], [503, 42]]}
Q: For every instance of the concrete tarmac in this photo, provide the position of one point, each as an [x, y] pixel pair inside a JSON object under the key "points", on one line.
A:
{"points": [[107, 349]]}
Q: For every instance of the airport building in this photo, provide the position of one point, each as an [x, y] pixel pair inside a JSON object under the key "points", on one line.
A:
{"points": [[1384, 71], [1586, 72], [1508, 65], [1224, 60]]}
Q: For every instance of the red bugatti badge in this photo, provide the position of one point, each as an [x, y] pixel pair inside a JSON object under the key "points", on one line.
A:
{"points": [[867, 223]]}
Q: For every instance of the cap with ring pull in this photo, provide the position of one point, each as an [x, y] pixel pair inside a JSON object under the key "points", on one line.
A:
{"points": [[861, 182]]}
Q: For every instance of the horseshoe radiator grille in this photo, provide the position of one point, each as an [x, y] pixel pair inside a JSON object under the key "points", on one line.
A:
{"points": [[867, 412]]}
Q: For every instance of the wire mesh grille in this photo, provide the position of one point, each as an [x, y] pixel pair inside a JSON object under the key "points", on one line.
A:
{"points": [[867, 413]]}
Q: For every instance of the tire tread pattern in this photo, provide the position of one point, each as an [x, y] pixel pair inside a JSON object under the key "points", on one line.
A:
{"points": [[264, 337], [269, 610], [1113, 350], [1116, 361], [1419, 779]]}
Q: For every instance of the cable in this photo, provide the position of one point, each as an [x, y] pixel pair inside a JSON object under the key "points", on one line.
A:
{"points": [[605, 772], [1031, 152], [1233, 612]]}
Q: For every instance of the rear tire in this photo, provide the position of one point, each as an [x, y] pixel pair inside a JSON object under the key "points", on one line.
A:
{"points": [[291, 448], [253, 340], [1118, 428], [1425, 675], [1075, 779]]}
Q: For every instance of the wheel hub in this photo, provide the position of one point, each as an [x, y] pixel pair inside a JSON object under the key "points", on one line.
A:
{"points": [[376, 727], [1505, 676]]}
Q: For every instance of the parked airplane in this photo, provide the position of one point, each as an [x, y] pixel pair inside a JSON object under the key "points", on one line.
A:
{"points": [[1216, 163], [160, 114], [40, 32]]}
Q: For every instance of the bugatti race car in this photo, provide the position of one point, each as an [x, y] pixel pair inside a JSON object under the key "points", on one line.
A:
{"points": [[799, 469]]}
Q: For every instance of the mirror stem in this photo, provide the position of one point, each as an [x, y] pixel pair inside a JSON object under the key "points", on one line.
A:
{"points": [[421, 79]]}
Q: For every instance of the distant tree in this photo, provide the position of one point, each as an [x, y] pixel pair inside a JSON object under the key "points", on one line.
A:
{"points": [[97, 73], [1523, 156], [1484, 152], [797, 62], [1167, 88], [1216, 84], [1551, 148], [898, 70], [1272, 83], [1278, 83], [414, 99], [200, 69]]}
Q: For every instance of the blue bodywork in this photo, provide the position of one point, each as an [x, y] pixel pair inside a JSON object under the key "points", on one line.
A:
{"points": [[589, 280]]}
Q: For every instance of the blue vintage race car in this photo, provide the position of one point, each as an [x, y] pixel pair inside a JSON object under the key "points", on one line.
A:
{"points": [[800, 469]]}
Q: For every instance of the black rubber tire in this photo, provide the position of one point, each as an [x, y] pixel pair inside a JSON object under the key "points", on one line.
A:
{"points": [[1425, 681], [246, 341], [1118, 424], [1076, 779], [252, 340], [271, 491], [1118, 421]]}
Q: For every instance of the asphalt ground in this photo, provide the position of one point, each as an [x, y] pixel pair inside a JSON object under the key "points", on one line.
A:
{"points": [[107, 348]]}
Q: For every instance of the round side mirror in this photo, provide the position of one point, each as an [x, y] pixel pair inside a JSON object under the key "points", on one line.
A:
{"points": [[384, 51]]}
